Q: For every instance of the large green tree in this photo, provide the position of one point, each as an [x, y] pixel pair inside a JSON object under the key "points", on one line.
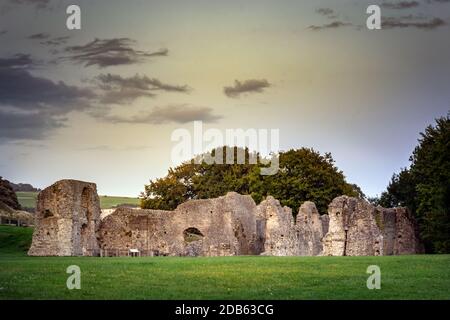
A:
{"points": [[304, 174], [425, 187]]}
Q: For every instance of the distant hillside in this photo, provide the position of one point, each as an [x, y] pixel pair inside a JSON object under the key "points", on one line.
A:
{"points": [[7, 194], [23, 187], [28, 200]]}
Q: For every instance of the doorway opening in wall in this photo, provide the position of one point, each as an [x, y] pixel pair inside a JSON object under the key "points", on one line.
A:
{"points": [[345, 242], [192, 234], [85, 215]]}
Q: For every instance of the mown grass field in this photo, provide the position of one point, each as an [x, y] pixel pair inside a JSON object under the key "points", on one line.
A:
{"points": [[28, 200], [245, 277]]}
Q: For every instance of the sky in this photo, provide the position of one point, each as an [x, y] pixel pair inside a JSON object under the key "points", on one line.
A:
{"points": [[100, 104]]}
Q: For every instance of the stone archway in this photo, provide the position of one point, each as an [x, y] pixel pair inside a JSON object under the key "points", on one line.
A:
{"points": [[193, 239], [192, 234]]}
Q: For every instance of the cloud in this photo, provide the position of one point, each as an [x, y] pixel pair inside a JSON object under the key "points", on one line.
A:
{"points": [[124, 96], [400, 5], [30, 105], [110, 52], [19, 60], [57, 41], [2, 32], [109, 81], [29, 126], [327, 12], [39, 36], [247, 86], [332, 25], [20, 89], [438, 1], [40, 4], [410, 22], [169, 114], [47, 40], [120, 89]]}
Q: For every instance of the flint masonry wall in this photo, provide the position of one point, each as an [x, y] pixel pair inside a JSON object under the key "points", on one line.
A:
{"points": [[358, 228], [67, 220], [68, 223], [213, 227]]}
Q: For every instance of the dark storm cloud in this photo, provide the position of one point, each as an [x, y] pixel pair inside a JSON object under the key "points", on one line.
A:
{"points": [[2, 32], [118, 89], [247, 86], [110, 52], [20, 89], [28, 126], [30, 105], [400, 5], [109, 81], [332, 25], [161, 115], [410, 22], [19, 60]]}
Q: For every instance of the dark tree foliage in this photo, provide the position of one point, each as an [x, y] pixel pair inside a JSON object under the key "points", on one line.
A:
{"points": [[304, 174], [425, 187], [7, 194]]}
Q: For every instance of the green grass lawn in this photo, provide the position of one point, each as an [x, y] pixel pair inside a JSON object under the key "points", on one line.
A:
{"points": [[245, 277], [28, 200], [107, 202]]}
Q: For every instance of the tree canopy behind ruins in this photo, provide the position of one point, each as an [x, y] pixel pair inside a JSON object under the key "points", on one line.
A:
{"points": [[304, 175], [424, 187]]}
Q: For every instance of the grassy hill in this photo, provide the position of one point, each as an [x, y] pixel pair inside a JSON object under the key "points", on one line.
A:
{"points": [[244, 277], [28, 200]]}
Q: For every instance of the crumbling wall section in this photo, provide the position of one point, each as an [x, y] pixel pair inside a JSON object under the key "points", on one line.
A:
{"points": [[68, 224], [309, 229], [357, 228], [67, 219], [212, 227], [276, 223]]}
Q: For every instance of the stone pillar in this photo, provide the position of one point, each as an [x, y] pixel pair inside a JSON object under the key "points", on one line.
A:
{"points": [[67, 219]]}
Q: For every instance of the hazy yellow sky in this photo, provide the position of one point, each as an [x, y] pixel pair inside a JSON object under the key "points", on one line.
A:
{"points": [[333, 85]]}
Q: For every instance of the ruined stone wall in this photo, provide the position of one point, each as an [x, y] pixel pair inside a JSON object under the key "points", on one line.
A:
{"points": [[310, 229], [67, 219], [276, 229], [68, 224], [357, 228], [406, 238], [215, 227]]}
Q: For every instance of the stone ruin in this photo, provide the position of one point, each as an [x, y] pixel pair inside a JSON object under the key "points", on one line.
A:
{"points": [[68, 223], [67, 220], [357, 228]]}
